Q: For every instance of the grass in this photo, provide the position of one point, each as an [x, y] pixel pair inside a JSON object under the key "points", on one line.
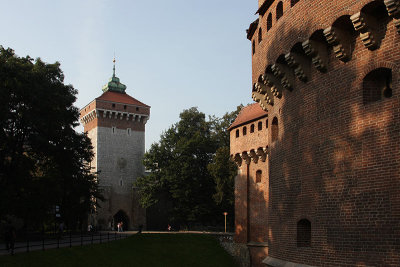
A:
{"points": [[138, 250]]}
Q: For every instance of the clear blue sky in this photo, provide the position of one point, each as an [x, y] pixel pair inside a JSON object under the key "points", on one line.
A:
{"points": [[172, 55]]}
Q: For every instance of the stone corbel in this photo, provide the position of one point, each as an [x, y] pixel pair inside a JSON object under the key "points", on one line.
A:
{"points": [[299, 65], [259, 98], [393, 8], [340, 40], [262, 153], [237, 159], [245, 156], [318, 53], [265, 91], [273, 82], [285, 74], [367, 26], [253, 156]]}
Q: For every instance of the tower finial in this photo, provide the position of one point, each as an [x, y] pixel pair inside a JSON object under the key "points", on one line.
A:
{"points": [[114, 66]]}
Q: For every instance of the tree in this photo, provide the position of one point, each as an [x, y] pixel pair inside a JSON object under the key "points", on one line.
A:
{"points": [[181, 172], [43, 161]]}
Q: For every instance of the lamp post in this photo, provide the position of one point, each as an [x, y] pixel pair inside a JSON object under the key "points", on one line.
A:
{"points": [[225, 213]]}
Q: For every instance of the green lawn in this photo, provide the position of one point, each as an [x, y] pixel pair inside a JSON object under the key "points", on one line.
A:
{"points": [[138, 250]]}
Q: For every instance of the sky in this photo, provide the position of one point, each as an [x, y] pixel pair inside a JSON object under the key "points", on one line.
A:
{"points": [[171, 55]]}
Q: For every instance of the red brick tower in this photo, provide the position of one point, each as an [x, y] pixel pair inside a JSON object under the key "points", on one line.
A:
{"points": [[327, 73]]}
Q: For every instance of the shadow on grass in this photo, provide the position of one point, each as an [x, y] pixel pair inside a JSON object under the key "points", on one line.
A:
{"points": [[138, 250]]}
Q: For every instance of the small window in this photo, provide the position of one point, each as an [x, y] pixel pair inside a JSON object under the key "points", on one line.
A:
{"points": [[274, 129], [113, 129], [269, 22], [266, 124], [304, 233], [279, 11], [113, 105], [244, 130], [293, 2], [124, 106], [260, 125], [254, 47], [128, 131], [259, 35], [252, 128], [377, 85], [137, 109], [120, 182], [258, 176], [237, 133]]}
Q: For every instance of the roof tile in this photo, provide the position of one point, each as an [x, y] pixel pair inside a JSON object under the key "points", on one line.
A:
{"points": [[248, 113], [120, 98]]}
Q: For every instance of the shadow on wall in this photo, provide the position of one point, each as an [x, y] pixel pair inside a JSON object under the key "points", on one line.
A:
{"points": [[335, 162]]}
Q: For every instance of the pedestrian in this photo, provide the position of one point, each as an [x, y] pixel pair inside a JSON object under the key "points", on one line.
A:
{"points": [[119, 227], [169, 227], [60, 229], [10, 237]]}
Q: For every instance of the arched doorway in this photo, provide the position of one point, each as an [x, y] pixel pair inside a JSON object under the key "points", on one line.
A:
{"points": [[121, 216]]}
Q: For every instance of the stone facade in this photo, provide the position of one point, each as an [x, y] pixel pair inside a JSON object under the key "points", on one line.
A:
{"points": [[115, 122], [327, 74]]}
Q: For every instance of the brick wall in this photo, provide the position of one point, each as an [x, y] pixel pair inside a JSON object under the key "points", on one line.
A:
{"points": [[336, 161]]}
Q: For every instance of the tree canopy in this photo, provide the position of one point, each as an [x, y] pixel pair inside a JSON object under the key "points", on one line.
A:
{"points": [[190, 169], [43, 160]]}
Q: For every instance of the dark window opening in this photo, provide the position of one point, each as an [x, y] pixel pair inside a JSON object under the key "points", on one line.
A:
{"points": [[237, 133], [252, 128], [377, 85], [274, 129], [266, 124], [113, 105], [258, 176], [279, 11], [260, 125], [244, 130], [269, 22], [293, 2], [259, 35], [254, 47], [137, 109], [124, 106], [304, 233]]}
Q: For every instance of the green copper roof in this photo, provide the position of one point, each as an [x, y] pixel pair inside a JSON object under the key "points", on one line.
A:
{"points": [[114, 84]]}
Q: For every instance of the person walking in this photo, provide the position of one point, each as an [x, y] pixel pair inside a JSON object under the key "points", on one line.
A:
{"points": [[10, 237]]}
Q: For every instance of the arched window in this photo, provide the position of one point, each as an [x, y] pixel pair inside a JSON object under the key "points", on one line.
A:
{"points": [[237, 133], [244, 130], [259, 35], [377, 85], [260, 125], [274, 129], [252, 128], [269, 22], [258, 176], [304, 233], [293, 2], [279, 11]]}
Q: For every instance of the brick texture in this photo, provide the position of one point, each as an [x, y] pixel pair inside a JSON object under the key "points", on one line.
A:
{"points": [[336, 160]]}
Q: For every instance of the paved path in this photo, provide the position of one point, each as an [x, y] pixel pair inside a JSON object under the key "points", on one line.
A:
{"points": [[65, 241]]}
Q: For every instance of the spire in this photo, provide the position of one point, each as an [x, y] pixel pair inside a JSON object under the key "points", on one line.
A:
{"points": [[114, 66], [114, 84]]}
